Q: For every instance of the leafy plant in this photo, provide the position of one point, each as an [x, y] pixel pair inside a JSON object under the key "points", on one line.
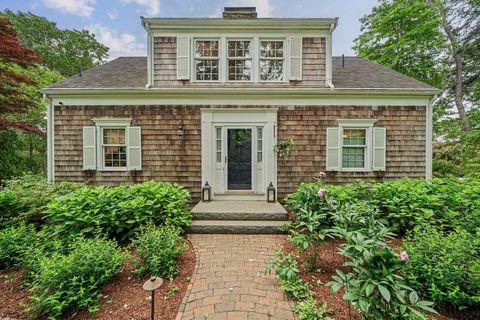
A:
{"points": [[283, 148], [119, 211], [14, 241], [308, 310], [445, 266], [73, 280], [158, 248], [377, 288]]}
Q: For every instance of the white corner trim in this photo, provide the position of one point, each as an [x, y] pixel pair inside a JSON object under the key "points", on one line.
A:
{"points": [[328, 58], [429, 138], [50, 140], [350, 123]]}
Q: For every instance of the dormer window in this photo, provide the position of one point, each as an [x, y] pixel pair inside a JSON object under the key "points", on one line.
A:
{"points": [[239, 60], [206, 60], [271, 60]]}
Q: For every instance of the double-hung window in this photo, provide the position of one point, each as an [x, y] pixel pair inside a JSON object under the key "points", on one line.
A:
{"points": [[272, 60], [356, 145], [354, 148], [114, 147], [207, 60], [239, 56]]}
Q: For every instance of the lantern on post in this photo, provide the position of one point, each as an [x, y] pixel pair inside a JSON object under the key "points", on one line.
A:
{"points": [[271, 195], [206, 192], [153, 284]]}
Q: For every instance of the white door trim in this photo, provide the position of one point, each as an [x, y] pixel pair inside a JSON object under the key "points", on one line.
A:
{"points": [[238, 118]]}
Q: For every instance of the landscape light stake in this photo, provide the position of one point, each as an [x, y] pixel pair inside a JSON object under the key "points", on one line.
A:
{"points": [[151, 285]]}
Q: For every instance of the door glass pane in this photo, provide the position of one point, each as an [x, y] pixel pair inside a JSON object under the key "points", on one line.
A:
{"points": [[239, 159]]}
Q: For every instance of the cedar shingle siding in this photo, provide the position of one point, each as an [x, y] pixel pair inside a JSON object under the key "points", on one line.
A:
{"points": [[165, 65], [169, 157]]}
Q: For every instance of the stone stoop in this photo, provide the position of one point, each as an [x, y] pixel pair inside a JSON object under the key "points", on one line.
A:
{"points": [[238, 216]]}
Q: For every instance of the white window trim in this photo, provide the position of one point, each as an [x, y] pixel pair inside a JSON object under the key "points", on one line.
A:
{"points": [[285, 54], [223, 59], [220, 58], [362, 124], [110, 123], [252, 59]]}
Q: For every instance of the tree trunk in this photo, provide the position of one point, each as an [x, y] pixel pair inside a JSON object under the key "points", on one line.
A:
{"points": [[457, 59]]}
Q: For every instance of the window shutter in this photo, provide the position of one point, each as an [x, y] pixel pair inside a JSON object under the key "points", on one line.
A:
{"points": [[183, 58], [333, 149], [295, 58], [134, 148], [89, 148], [379, 149]]}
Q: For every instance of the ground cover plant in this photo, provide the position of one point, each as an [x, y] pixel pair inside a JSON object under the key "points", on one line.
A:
{"points": [[443, 248], [119, 211]]}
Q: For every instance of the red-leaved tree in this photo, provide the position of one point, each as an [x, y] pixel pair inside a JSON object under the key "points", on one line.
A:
{"points": [[13, 97]]}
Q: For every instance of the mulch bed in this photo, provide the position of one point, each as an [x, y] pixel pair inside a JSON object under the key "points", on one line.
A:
{"points": [[330, 261], [123, 296]]}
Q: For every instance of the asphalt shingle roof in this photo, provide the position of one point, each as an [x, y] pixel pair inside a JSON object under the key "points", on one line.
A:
{"points": [[357, 73]]}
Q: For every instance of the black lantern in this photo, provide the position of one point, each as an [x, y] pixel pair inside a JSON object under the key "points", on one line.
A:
{"points": [[271, 193], [206, 192], [180, 129]]}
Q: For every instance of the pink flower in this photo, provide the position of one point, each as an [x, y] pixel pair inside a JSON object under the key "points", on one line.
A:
{"points": [[404, 256], [323, 175], [322, 192]]}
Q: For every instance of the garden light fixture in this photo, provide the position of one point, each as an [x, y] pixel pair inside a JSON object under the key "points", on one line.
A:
{"points": [[151, 285]]}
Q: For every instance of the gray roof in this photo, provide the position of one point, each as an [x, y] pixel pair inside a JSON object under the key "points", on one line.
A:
{"points": [[357, 73]]}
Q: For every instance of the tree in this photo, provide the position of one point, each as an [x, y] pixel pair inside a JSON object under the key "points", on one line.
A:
{"points": [[66, 51], [14, 98], [404, 36]]}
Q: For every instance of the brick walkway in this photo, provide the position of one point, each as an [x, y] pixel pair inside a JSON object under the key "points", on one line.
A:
{"points": [[229, 280]]}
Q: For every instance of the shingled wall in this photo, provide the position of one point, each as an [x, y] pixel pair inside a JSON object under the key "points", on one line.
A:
{"points": [[169, 157], [165, 66]]}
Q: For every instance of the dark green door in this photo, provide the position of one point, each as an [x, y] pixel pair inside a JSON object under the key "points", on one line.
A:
{"points": [[239, 159]]}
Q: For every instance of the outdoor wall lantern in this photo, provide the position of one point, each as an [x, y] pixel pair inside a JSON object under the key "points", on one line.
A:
{"points": [[206, 192], [180, 129], [153, 284], [271, 193]]}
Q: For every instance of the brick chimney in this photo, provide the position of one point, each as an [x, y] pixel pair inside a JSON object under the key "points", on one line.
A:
{"points": [[239, 13]]}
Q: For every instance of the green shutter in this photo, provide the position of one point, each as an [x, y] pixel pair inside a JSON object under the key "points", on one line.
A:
{"points": [[89, 148], [134, 148], [333, 149], [379, 149], [183, 58], [295, 58]]}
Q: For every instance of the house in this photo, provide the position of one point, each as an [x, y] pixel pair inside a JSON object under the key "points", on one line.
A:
{"points": [[216, 98]]}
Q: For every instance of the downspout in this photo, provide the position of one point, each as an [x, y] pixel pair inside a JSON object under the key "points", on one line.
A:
{"points": [[328, 61], [149, 55]]}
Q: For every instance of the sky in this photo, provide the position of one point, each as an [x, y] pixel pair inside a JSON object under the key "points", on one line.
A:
{"points": [[116, 23]]}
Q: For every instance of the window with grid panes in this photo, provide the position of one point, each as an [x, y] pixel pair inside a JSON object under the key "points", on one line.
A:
{"points": [[206, 60], [239, 56], [271, 60], [114, 148], [354, 146], [218, 141], [259, 144]]}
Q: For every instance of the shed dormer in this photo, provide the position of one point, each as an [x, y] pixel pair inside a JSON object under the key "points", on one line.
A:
{"points": [[239, 50]]}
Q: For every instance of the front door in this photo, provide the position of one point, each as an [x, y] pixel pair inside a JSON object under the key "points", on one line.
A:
{"points": [[239, 159]]}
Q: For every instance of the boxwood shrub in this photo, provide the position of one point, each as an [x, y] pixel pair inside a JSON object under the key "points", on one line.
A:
{"points": [[119, 211]]}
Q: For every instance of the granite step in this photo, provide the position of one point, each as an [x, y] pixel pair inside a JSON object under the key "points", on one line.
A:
{"points": [[236, 226], [239, 210]]}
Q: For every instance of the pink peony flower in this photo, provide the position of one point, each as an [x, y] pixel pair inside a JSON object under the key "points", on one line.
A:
{"points": [[323, 175], [404, 256], [322, 192]]}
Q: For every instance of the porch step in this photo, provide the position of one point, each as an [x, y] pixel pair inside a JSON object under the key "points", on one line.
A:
{"points": [[235, 226], [240, 210]]}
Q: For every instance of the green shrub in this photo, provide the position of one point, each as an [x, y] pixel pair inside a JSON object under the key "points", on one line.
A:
{"points": [[14, 241], [445, 266], [307, 310], [73, 281], [119, 211], [158, 248], [26, 198]]}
